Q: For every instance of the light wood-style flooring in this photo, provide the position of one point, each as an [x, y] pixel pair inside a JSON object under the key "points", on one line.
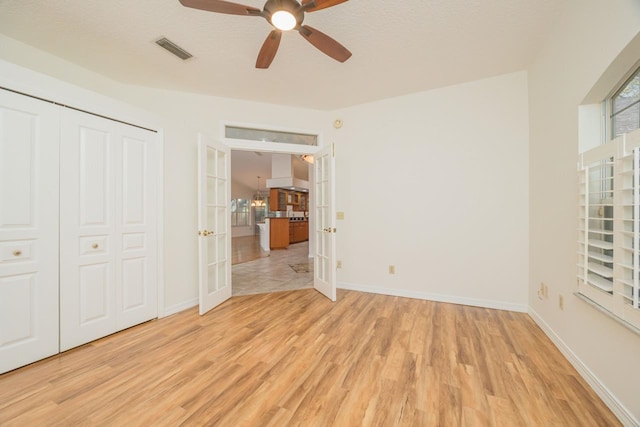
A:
{"points": [[297, 359], [245, 249]]}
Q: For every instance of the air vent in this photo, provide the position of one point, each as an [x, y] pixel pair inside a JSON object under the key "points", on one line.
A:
{"points": [[174, 48]]}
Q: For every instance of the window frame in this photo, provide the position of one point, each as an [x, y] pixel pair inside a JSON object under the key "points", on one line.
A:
{"points": [[608, 119], [235, 213]]}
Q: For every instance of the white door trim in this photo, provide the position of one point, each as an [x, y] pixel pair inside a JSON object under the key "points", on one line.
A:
{"points": [[270, 147]]}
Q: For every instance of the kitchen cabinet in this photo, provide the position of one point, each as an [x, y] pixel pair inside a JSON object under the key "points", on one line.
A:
{"points": [[278, 199], [299, 201], [298, 231], [279, 233], [303, 206]]}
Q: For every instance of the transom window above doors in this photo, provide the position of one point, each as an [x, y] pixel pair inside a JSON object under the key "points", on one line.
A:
{"points": [[264, 135]]}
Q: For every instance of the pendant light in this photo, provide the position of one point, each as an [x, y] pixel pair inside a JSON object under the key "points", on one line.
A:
{"points": [[258, 200]]}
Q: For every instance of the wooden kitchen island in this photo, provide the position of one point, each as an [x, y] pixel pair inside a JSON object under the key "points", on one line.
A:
{"points": [[279, 233], [283, 232]]}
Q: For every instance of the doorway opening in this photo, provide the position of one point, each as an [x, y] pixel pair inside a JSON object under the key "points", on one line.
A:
{"points": [[214, 206], [258, 266]]}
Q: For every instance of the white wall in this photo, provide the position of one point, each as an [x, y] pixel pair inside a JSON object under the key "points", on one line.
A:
{"points": [[587, 39], [436, 183], [421, 175]]}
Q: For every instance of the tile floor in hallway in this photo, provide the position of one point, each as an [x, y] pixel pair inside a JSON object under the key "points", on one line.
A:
{"points": [[274, 273]]}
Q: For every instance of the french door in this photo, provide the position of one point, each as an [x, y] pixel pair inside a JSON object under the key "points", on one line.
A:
{"points": [[324, 265], [214, 224]]}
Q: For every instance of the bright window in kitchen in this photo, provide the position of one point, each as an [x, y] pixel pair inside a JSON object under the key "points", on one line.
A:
{"points": [[240, 212]]}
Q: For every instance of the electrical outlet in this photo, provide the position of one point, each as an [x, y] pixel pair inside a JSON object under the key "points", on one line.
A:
{"points": [[546, 291], [339, 215], [541, 291], [339, 264], [392, 269], [561, 302]]}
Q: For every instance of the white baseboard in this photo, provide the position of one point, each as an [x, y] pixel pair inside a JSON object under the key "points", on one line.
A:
{"points": [[179, 307], [623, 414], [499, 305]]}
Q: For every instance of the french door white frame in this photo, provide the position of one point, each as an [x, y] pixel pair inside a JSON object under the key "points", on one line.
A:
{"points": [[281, 148]]}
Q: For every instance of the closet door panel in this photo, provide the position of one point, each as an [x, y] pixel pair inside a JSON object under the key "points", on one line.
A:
{"points": [[137, 293], [18, 295], [108, 229], [28, 230], [87, 256], [95, 179], [94, 301]]}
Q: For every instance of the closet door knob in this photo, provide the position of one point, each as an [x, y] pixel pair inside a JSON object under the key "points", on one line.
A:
{"points": [[17, 252], [94, 246]]}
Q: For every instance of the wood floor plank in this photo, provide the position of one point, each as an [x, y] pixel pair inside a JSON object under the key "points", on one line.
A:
{"points": [[295, 358]]}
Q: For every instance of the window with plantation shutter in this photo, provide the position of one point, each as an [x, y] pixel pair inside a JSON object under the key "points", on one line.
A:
{"points": [[609, 227]]}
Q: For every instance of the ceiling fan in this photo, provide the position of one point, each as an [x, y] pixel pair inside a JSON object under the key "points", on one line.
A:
{"points": [[284, 15]]}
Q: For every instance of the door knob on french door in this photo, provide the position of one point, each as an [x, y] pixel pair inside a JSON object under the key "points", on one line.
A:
{"points": [[205, 233]]}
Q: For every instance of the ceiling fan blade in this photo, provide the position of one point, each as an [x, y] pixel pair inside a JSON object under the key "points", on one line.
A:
{"points": [[269, 49], [325, 43], [320, 4], [221, 6]]}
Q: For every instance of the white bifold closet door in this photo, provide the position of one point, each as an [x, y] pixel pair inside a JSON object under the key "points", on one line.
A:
{"points": [[108, 233], [28, 230]]}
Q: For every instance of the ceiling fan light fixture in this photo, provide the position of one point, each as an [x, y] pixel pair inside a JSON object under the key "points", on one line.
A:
{"points": [[284, 20], [283, 15]]}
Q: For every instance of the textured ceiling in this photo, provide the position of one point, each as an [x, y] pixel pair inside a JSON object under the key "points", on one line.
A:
{"points": [[398, 47]]}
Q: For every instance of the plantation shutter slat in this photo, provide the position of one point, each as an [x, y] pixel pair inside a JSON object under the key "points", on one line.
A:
{"points": [[609, 230]]}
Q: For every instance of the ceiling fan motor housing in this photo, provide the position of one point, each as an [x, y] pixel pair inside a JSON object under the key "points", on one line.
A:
{"points": [[291, 6]]}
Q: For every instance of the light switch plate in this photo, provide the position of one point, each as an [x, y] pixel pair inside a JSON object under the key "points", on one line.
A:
{"points": [[339, 215]]}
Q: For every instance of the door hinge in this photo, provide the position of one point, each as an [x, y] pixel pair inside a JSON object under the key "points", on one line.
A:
{"points": [[333, 150]]}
